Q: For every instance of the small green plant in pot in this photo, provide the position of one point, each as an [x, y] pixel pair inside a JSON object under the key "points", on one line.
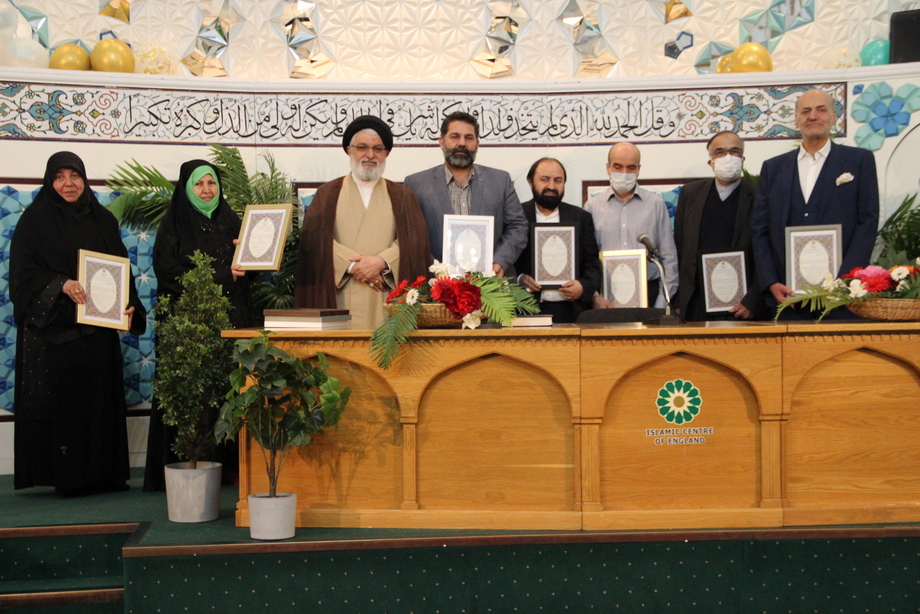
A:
{"points": [[193, 366], [283, 401]]}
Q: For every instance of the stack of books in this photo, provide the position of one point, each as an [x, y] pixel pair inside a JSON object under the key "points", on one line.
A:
{"points": [[306, 319]]}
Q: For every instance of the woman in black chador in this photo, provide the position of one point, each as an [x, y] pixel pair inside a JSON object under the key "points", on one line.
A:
{"points": [[69, 400], [198, 218]]}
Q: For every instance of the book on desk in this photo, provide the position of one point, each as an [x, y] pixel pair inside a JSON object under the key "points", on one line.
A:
{"points": [[306, 319]]}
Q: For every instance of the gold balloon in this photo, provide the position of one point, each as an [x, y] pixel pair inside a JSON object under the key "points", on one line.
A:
{"points": [[112, 55], [725, 64], [70, 57], [751, 57]]}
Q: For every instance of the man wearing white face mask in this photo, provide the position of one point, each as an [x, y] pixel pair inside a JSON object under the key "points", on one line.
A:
{"points": [[713, 216], [624, 211]]}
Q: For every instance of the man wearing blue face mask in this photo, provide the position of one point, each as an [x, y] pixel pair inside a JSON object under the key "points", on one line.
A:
{"points": [[714, 216], [624, 211]]}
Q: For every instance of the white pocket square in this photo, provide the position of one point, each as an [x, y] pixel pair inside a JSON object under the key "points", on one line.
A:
{"points": [[845, 178]]}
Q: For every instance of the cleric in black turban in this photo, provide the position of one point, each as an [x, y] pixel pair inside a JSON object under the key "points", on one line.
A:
{"points": [[368, 122]]}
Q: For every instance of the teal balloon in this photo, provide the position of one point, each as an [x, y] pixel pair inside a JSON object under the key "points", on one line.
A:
{"points": [[875, 53]]}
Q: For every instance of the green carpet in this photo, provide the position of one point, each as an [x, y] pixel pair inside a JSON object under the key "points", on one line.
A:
{"points": [[473, 572]]}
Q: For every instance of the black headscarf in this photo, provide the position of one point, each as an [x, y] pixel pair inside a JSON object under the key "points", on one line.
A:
{"points": [[50, 233], [62, 160]]}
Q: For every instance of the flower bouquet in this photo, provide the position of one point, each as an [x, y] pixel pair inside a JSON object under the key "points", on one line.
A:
{"points": [[870, 292], [464, 300]]}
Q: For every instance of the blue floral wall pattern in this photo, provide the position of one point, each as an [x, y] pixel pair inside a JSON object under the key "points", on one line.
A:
{"points": [[137, 351], [884, 112]]}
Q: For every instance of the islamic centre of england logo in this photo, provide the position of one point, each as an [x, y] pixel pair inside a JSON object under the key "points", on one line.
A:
{"points": [[679, 401]]}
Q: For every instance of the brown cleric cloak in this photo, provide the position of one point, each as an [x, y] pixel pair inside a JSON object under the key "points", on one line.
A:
{"points": [[315, 282]]}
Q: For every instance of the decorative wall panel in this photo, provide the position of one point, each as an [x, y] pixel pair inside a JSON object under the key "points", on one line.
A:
{"points": [[148, 116]]}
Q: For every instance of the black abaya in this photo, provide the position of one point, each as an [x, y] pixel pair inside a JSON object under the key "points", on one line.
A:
{"points": [[69, 398]]}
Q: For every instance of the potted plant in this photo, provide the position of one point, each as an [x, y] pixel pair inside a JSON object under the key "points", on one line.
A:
{"points": [[283, 402], [193, 366]]}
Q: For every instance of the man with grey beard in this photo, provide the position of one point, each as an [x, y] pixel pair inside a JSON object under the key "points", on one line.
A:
{"points": [[459, 187], [361, 234]]}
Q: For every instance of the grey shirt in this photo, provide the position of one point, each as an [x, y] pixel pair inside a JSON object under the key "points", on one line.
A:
{"points": [[617, 226]]}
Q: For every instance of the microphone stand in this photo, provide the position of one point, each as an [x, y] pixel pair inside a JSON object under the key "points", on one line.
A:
{"points": [[668, 319]]}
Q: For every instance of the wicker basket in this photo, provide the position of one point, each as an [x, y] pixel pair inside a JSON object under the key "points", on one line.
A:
{"points": [[432, 315], [887, 309]]}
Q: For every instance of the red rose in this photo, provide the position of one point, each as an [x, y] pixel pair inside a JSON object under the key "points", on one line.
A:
{"points": [[459, 296]]}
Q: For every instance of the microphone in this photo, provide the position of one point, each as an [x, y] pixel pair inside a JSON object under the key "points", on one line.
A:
{"points": [[668, 319], [645, 240]]}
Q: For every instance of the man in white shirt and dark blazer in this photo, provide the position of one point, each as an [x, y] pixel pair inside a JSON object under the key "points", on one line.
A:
{"points": [[818, 183]]}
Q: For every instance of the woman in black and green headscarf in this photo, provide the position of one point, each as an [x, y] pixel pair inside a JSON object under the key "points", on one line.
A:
{"points": [[198, 218]]}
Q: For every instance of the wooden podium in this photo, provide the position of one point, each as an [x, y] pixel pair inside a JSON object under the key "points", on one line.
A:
{"points": [[563, 429]]}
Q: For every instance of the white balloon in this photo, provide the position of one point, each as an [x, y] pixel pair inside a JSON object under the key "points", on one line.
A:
{"points": [[839, 57], [9, 19], [23, 52]]}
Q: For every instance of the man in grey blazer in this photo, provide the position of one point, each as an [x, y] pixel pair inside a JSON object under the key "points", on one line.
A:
{"points": [[459, 187]]}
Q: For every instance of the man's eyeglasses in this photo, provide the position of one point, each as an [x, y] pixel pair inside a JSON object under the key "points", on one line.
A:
{"points": [[721, 153], [363, 149]]}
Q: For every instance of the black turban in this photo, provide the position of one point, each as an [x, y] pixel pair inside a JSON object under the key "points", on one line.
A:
{"points": [[366, 122]]}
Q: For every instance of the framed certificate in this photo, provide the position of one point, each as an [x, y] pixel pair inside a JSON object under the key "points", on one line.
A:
{"points": [[262, 236], [105, 279], [625, 277], [724, 280], [811, 253], [553, 251], [468, 243]]}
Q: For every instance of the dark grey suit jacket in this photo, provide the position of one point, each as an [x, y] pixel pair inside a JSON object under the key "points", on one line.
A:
{"points": [[493, 194], [687, 231]]}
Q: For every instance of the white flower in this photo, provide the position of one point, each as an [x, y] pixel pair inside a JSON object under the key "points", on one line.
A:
{"points": [[829, 282], [473, 319], [899, 272], [902, 286], [412, 296], [857, 289], [845, 178], [439, 269], [489, 273], [918, 261]]}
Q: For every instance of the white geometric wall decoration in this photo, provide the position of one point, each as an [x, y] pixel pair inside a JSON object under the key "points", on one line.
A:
{"points": [[582, 17], [410, 39], [436, 39]]}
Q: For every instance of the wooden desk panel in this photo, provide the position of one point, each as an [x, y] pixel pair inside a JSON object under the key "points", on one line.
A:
{"points": [[556, 429], [851, 451], [705, 472]]}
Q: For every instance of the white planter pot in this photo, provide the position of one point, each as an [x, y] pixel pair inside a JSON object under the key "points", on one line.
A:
{"points": [[272, 517], [193, 495]]}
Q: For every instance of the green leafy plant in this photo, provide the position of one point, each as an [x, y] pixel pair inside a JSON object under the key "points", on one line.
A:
{"points": [[144, 195], [282, 401], [193, 361], [899, 236]]}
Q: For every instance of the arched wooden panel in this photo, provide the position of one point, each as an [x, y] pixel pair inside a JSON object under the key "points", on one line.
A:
{"points": [[495, 434], [711, 462]]}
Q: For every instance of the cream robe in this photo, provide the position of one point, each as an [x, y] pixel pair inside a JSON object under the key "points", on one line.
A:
{"points": [[362, 232]]}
